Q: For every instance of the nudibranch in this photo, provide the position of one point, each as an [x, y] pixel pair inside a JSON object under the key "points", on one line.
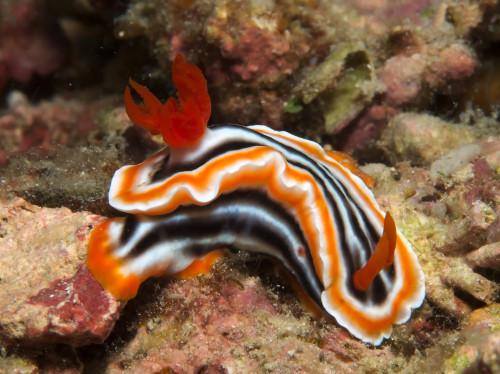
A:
{"points": [[259, 190]]}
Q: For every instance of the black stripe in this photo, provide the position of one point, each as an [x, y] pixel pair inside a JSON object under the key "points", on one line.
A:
{"points": [[378, 293], [199, 223], [369, 239], [363, 230], [128, 228], [166, 171]]}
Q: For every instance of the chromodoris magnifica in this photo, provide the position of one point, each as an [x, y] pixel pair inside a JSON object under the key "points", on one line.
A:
{"points": [[259, 190]]}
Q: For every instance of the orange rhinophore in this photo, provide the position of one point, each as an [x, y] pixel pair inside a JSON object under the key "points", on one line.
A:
{"points": [[382, 257]]}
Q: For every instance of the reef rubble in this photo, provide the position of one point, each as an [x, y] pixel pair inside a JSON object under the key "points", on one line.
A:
{"points": [[409, 88]]}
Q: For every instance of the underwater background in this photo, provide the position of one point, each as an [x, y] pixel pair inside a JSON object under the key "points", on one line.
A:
{"points": [[409, 88]]}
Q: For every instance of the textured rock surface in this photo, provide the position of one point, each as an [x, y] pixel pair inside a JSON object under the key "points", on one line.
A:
{"points": [[266, 62], [488, 256], [63, 152], [445, 225], [480, 350], [47, 295], [422, 138], [228, 322]]}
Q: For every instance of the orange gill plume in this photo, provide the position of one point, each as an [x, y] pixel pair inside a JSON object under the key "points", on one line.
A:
{"points": [[183, 125]]}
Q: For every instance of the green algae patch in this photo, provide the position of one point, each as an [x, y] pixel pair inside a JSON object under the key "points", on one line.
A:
{"points": [[292, 107], [343, 84], [424, 232], [494, 310], [353, 91], [458, 363]]}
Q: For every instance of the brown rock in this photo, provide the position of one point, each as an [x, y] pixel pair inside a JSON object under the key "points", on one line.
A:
{"points": [[47, 293], [488, 256], [461, 276], [228, 322], [422, 138], [480, 352]]}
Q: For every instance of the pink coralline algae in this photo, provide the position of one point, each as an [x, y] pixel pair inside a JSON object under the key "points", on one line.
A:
{"points": [[27, 45], [392, 9], [79, 310], [228, 322], [402, 75], [47, 293], [406, 76], [358, 140], [406, 54], [259, 54], [25, 126], [424, 67], [453, 63]]}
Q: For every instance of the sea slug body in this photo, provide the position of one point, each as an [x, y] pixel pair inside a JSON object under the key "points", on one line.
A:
{"points": [[259, 190]]}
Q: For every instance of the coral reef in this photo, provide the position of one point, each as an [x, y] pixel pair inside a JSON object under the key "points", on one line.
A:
{"points": [[333, 56], [228, 322], [398, 82], [444, 225]]}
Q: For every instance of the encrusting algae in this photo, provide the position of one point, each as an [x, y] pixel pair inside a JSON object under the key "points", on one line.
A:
{"points": [[418, 82]]}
